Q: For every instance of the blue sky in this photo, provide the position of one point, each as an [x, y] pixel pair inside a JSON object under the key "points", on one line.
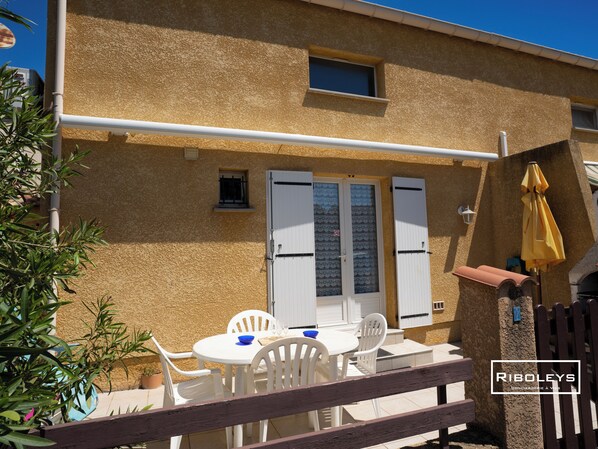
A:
{"points": [[568, 25], [30, 49]]}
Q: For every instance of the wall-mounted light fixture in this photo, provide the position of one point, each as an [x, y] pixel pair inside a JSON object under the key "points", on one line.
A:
{"points": [[191, 154], [466, 213]]}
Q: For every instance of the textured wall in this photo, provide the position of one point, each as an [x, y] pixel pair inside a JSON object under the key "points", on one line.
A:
{"points": [[481, 343], [569, 198], [174, 263], [176, 266], [490, 334], [244, 64]]}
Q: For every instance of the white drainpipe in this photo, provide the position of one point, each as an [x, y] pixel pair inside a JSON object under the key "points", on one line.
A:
{"points": [[58, 105], [504, 148], [121, 126], [57, 109]]}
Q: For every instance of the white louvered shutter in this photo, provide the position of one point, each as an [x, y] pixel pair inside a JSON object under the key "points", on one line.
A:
{"points": [[412, 252], [291, 249]]}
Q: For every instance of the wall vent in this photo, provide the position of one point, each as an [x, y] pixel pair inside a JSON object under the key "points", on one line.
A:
{"points": [[438, 305]]}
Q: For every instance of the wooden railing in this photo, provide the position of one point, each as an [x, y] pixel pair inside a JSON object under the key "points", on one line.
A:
{"points": [[180, 420], [569, 334]]}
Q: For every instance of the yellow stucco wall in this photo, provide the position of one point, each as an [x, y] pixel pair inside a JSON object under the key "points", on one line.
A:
{"points": [[175, 263], [177, 267], [569, 198], [244, 64]]}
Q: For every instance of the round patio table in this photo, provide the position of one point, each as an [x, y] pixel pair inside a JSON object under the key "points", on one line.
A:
{"points": [[226, 349]]}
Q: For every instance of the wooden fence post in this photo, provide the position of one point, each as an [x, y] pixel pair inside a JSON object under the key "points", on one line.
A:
{"points": [[544, 353]]}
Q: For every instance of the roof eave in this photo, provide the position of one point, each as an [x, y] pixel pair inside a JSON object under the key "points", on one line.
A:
{"points": [[451, 29]]}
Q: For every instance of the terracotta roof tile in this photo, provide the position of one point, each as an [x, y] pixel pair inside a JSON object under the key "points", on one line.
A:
{"points": [[494, 277], [517, 277]]}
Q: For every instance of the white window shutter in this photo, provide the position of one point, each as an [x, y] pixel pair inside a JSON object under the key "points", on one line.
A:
{"points": [[412, 252], [291, 247]]}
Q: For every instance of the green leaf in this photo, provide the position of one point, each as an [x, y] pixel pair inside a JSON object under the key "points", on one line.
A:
{"points": [[6, 442], [11, 414], [28, 440], [25, 303], [13, 351], [11, 332]]}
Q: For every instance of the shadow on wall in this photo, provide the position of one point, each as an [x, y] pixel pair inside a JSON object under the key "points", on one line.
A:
{"points": [[482, 242], [150, 194], [568, 196], [297, 24]]}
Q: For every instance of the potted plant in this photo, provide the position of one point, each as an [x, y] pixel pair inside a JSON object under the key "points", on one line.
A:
{"points": [[151, 377]]}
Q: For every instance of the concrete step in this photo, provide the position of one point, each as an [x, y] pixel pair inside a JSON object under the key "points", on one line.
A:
{"points": [[394, 337], [409, 353]]}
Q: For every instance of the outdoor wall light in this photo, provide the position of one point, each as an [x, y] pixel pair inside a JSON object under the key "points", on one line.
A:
{"points": [[466, 213]]}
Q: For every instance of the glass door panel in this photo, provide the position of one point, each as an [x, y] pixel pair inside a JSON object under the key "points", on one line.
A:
{"points": [[348, 285], [365, 239], [327, 221]]}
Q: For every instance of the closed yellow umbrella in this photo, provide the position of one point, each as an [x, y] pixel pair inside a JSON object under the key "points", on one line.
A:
{"points": [[542, 243]]}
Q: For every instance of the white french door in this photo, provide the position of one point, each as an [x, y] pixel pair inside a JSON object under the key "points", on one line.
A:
{"points": [[348, 250]]}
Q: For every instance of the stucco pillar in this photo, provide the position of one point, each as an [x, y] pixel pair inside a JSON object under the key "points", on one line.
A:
{"points": [[490, 332]]}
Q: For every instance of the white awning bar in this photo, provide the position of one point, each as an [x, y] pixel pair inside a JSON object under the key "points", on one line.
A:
{"points": [[120, 126]]}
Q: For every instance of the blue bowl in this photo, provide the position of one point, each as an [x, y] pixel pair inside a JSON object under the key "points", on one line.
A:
{"points": [[246, 339], [310, 334]]}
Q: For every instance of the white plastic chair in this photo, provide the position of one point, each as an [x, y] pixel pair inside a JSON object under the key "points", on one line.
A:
{"points": [[300, 356], [206, 386], [251, 321], [245, 322], [372, 333]]}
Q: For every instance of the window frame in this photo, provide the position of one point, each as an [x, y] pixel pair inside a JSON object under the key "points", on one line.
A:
{"points": [[585, 108], [233, 174], [375, 97]]}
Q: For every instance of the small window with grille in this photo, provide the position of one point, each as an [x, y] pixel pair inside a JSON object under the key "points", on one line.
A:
{"points": [[233, 189]]}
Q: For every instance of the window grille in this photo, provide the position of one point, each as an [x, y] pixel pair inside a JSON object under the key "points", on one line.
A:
{"points": [[233, 189]]}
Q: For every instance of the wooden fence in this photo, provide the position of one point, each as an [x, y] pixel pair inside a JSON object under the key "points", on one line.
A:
{"points": [[180, 420], [569, 334]]}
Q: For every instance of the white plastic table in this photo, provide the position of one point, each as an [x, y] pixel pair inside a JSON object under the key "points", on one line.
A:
{"points": [[224, 348]]}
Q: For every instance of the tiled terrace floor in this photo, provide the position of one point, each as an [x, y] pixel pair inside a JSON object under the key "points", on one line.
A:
{"points": [[121, 400]]}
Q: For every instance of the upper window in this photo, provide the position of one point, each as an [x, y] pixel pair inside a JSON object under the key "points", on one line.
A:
{"points": [[340, 76], [584, 117]]}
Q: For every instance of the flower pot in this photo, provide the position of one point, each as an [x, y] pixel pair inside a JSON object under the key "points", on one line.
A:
{"points": [[151, 382]]}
